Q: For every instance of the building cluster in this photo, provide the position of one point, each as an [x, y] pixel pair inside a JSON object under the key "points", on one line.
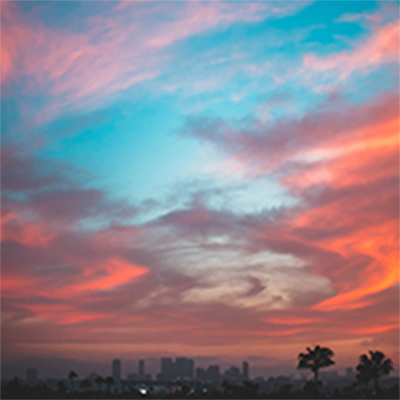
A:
{"points": [[182, 369], [233, 374], [170, 378], [141, 376]]}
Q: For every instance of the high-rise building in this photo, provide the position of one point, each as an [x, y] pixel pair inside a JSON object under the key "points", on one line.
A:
{"points": [[190, 368], [167, 369], [141, 369], [132, 377], [116, 370], [31, 376], [180, 367], [245, 370], [213, 373], [184, 368], [200, 374], [232, 374]]}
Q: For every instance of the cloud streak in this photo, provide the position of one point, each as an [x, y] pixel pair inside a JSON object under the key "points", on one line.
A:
{"points": [[379, 48], [112, 53]]}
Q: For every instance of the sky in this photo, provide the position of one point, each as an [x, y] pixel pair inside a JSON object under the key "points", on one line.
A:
{"points": [[217, 180]]}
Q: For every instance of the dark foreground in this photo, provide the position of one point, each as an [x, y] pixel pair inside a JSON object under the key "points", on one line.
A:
{"points": [[247, 390]]}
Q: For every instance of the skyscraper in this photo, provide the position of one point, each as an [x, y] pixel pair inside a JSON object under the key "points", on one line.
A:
{"points": [[232, 374], [245, 370], [184, 367], [167, 369], [116, 370], [200, 374], [213, 373], [141, 369]]}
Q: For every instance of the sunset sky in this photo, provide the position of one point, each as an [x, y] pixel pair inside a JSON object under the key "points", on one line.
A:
{"points": [[200, 179]]}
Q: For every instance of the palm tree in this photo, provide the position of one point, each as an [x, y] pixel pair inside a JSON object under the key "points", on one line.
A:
{"points": [[373, 367], [364, 369], [86, 384], [71, 376], [109, 381], [315, 359], [99, 382]]}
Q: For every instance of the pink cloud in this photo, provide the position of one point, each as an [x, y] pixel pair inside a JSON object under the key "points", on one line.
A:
{"points": [[29, 233], [382, 47], [114, 51]]}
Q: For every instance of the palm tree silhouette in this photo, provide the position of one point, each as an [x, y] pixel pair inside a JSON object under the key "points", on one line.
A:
{"points": [[373, 367], [71, 376], [86, 384], [109, 381], [315, 359], [99, 382]]}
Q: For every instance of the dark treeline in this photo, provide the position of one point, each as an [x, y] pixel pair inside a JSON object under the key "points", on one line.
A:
{"points": [[246, 390]]}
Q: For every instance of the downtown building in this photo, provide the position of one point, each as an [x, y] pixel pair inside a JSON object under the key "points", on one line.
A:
{"points": [[180, 369]]}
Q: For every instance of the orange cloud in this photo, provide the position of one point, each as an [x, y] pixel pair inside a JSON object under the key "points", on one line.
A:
{"points": [[370, 155], [373, 330], [118, 272], [381, 244], [291, 321], [62, 314]]}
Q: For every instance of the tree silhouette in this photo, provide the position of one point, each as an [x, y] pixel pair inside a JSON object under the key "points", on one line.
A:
{"points": [[99, 381], [86, 384], [71, 376], [61, 387], [373, 367], [315, 359], [109, 381]]}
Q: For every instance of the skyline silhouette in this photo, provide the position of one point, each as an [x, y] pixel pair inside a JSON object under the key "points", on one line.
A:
{"points": [[179, 379], [172, 368]]}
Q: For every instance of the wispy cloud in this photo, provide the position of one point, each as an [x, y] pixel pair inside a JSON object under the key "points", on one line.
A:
{"points": [[111, 53], [379, 48]]}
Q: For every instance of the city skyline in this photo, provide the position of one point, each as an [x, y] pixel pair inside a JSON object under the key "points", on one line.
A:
{"points": [[177, 378], [129, 369], [201, 179], [119, 371]]}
